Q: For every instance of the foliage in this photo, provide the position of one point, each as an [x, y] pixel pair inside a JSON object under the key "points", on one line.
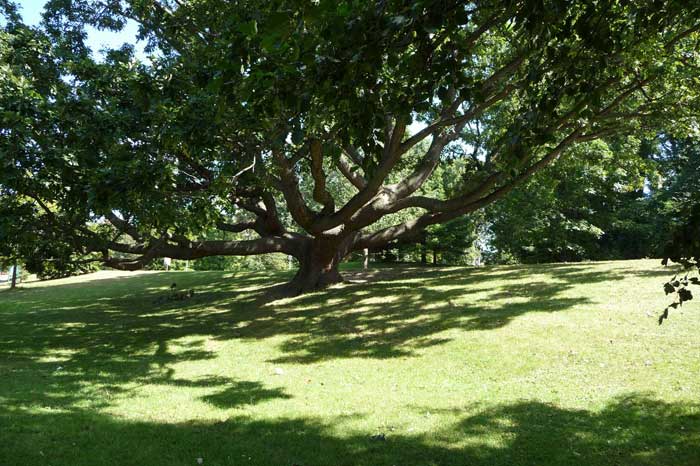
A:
{"points": [[589, 207], [684, 245], [31, 238], [452, 240]]}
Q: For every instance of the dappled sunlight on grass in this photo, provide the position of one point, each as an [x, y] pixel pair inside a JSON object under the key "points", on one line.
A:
{"points": [[552, 364]]}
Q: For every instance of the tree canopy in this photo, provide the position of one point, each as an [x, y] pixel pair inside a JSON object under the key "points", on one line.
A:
{"points": [[317, 128]]}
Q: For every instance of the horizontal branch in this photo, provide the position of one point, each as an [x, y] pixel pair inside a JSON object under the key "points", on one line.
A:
{"points": [[289, 244], [235, 227]]}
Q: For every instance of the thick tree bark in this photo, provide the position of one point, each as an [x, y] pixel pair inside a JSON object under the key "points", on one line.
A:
{"points": [[318, 265], [14, 277]]}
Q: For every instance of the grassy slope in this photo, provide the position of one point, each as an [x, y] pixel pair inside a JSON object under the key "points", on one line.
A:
{"points": [[544, 365]]}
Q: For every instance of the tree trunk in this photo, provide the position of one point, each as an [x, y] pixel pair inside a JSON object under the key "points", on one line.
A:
{"points": [[14, 277], [318, 266], [423, 252], [365, 263]]}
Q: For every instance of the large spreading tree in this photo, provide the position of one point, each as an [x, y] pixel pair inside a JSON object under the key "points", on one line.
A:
{"points": [[313, 128]]}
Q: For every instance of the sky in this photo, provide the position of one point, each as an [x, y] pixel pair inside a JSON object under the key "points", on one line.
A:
{"points": [[31, 13]]}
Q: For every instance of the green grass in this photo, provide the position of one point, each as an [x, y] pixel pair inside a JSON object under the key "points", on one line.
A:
{"points": [[543, 365]]}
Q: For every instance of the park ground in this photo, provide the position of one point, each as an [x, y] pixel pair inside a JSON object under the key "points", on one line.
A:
{"points": [[561, 364]]}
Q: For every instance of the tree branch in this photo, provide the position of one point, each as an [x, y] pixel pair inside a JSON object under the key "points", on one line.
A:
{"points": [[236, 227], [288, 243], [350, 174], [442, 211], [390, 156], [320, 193], [289, 185]]}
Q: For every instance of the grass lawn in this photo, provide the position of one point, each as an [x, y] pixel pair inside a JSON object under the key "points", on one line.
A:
{"points": [[541, 365]]}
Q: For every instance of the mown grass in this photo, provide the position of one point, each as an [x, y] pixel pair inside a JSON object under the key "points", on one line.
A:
{"points": [[544, 365]]}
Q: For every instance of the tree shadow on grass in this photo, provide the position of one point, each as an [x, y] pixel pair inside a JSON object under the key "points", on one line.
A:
{"points": [[631, 431], [112, 332], [244, 393], [109, 335], [404, 309], [121, 329]]}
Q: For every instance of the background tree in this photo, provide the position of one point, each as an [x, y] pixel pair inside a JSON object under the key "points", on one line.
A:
{"points": [[248, 113], [42, 223], [590, 206]]}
